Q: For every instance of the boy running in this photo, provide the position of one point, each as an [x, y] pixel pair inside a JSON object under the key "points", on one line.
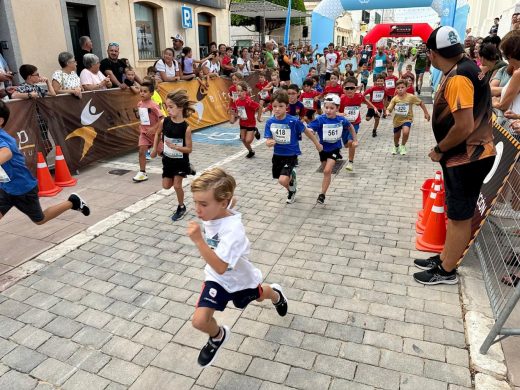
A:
{"points": [[309, 97], [377, 95], [283, 132], [229, 275], [390, 81], [403, 103]]}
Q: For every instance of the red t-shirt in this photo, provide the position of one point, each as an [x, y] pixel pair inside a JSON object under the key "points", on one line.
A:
{"points": [[338, 90], [246, 109], [350, 107], [233, 94], [390, 85], [377, 95], [226, 60], [260, 86], [411, 90], [304, 96]]}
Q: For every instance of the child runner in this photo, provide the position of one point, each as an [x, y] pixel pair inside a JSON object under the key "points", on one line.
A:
{"points": [[390, 81], [333, 86], [377, 95], [233, 95], [330, 127], [309, 97], [409, 77], [350, 105], [229, 275], [403, 103], [263, 93], [246, 110], [295, 107], [176, 137], [283, 132], [150, 116], [365, 74], [18, 187]]}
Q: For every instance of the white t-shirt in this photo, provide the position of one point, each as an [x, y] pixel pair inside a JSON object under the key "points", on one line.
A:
{"points": [[171, 71], [88, 78], [227, 237], [67, 80], [247, 66], [515, 104], [331, 58], [213, 67]]}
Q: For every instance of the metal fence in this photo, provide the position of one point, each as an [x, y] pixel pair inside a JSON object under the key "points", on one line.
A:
{"points": [[498, 250]]}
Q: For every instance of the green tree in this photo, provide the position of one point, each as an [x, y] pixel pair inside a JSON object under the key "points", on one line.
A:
{"points": [[239, 20]]}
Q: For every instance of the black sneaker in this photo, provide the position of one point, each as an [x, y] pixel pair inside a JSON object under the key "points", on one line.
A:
{"points": [[208, 353], [436, 276], [257, 134], [79, 204], [291, 197], [193, 172], [281, 305], [429, 263], [321, 198], [374, 133], [340, 157], [250, 154], [297, 163], [179, 214]]}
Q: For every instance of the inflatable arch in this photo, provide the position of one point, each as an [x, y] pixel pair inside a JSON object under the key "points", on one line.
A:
{"points": [[396, 30]]}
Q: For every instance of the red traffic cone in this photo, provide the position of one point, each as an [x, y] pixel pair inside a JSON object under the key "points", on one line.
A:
{"points": [[46, 186], [420, 225], [62, 175], [434, 236]]}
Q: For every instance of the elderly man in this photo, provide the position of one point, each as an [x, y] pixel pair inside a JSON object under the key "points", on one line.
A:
{"points": [[178, 45], [86, 48], [114, 68], [462, 127]]}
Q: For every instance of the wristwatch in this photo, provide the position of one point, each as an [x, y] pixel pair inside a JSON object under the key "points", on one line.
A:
{"points": [[437, 150]]}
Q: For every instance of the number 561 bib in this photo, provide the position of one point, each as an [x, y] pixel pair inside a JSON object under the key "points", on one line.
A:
{"points": [[332, 132]]}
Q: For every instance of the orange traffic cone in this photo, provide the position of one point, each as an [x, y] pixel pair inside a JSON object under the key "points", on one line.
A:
{"points": [[420, 225], [46, 186], [436, 181], [434, 235], [62, 175], [427, 187]]}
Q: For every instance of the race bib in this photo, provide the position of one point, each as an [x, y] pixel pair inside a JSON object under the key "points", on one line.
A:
{"points": [[275, 89], [364, 56], [242, 114], [263, 94], [379, 63], [351, 113], [378, 96], [169, 152], [402, 109], [281, 133], [4, 177], [390, 83], [332, 132], [234, 96], [308, 103], [143, 116]]}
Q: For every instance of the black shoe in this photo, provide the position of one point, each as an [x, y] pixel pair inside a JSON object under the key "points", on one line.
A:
{"points": [[429, 263], [257, 134], [340, 157], [291, 197], [281, 305], [193, 172], [250, 154], [321, 198], [374, 133], [436, 276], [208, 353], [179, 214], [79, 204], [297, 163]]}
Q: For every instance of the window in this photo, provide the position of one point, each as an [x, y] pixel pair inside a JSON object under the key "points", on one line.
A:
{"points": [[145, 24]]}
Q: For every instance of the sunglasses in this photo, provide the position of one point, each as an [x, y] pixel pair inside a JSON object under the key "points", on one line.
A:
{"points": [[113, 44], [349, 88]]}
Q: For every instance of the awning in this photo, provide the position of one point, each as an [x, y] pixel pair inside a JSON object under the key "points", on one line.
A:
{"points": [[264, 9]]}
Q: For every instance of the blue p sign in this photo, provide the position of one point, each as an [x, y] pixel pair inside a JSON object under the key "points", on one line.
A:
{"points": [[187, 17]]}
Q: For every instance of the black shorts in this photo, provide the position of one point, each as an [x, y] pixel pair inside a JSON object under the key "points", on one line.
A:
{"points": [[249, 128], [283, 165], [175, 167], [332, 155], [371, 113], [28, 203], [419, 72], [214, 296], [309, 114], [463, 183]]}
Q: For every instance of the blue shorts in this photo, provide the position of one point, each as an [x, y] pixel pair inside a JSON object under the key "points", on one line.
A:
{"points": [[214, 296], [346, 136], [399, 128]]}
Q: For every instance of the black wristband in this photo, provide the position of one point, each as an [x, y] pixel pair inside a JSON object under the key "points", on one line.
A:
{"points": [[436, 149]]}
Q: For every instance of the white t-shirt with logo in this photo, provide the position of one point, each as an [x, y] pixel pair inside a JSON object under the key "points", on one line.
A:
{"points": [[331, 59], [213, 67], [227, 237], [171, 71]]}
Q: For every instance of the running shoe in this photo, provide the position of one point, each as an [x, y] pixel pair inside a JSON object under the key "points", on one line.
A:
{"points": [[349, 166], [321, 198], [257, 134], [79, 204], [402, 150], [429, 263], [208, 353], [141, 176], [395, 149], [293, 182], [374, 133], [340, 157], [436, 276], [250, 154], [179, 214], [281, 305]]}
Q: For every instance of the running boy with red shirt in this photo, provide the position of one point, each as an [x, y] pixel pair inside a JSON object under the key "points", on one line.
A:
{"points": [[350, 105], [333, 86], [263, 93], [246, 110], [377, 95], [309, 98], [233, 94], [409, 77], [390, 81]]}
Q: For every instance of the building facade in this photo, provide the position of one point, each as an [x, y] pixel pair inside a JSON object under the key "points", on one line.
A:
{"points": [[482, 13], [35, 32]]}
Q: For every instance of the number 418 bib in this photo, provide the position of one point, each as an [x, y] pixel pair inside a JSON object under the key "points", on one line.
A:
{"points": [[281, 133]]}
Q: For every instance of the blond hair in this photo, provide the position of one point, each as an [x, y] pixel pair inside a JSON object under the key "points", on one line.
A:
{"points": [[216, 179], [181, 99]]}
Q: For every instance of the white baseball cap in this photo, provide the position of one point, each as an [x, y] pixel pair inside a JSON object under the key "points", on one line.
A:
{"points": [[332, 98], [446, 41], [178, 37]]}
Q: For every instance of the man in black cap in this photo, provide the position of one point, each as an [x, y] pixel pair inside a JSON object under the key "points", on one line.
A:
{"points": [[463, 130]]}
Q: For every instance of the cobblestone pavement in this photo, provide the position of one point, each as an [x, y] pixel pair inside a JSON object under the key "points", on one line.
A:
{"points": [[115, 312]]}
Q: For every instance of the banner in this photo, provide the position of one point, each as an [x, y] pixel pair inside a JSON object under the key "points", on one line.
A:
{"points": [[100, 125], [23, 126]]}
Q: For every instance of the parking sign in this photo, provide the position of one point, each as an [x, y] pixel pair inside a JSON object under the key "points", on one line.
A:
{"points": [[187, 17]]}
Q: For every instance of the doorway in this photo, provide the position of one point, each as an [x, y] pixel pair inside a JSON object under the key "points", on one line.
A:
{"points": [[205, 28], [78, 24]]}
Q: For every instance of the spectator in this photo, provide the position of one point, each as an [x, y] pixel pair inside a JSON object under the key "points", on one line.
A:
{"points": [[243, 62], [226, 62], [178, 44], [168, 67], [491, 61], [256, 63], [494, 27], [5, 75], [332, 59], [67, 80], [269, 56], [212, 47], [91, 77], [211, 67], [85, 44], [322, 67], [284, 66], [30, 88], [515, 21], [114, 67], [350, 59], [222, 50]]}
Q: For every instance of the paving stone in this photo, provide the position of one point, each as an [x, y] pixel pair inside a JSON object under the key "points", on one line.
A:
{"points": [[445, 372], [121, 293], [92, 337], [157, 379], [23, 359], [413, 382], [122, 327], [80, 378], [383, 340], [284, 336], [335, 367], [94, 318], [344, 332], [268, 370], [9, 326], [209, 377], [404, 329], [14, 380], [120, 371], [377, 376], [63, 327], [18, 292], [53, 371], [89, 360], [67, 309], [295, 356], [231, 360], [96, 301], [250, 328], [185, 362], [424, 349], [401, 362], [152, 338], [309, 325], [13, 309], [257, 347], [341, 384], [360, 353], [121, 348], [231, 381], [151, 319], [58, 348], [145, 356], [307, 380], [457, 356], [320, 344]]}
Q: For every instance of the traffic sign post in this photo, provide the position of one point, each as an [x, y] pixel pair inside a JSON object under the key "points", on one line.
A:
{"points": [[187, 17]]}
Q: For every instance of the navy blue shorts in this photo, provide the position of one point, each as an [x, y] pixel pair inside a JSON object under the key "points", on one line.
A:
{"points": [[399, 128], [346, 136], [214, 296]]}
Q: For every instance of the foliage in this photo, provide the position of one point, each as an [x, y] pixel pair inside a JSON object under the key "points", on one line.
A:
{"points": [[239, 20]]}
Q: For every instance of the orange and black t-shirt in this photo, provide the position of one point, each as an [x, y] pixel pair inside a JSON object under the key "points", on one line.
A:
{"points": [[462, 88]]}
